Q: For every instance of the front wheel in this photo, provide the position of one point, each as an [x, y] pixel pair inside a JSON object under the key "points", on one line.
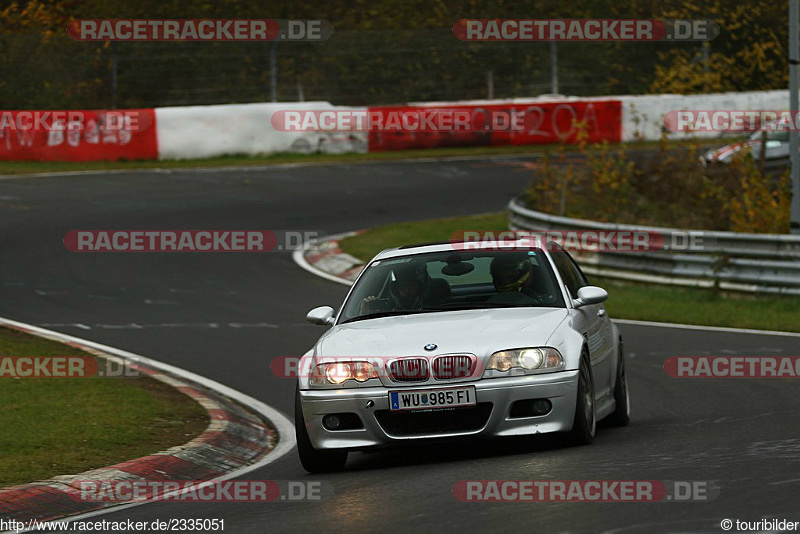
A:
{"points": [[622, 412], [585, 422], [314, 460]]}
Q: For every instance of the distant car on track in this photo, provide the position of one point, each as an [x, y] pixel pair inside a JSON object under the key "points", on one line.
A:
{"points": [[456, 341], [776, 155]]}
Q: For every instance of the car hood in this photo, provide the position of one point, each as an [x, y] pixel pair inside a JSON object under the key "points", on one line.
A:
{"points": [[724, 153], [479, 332]]}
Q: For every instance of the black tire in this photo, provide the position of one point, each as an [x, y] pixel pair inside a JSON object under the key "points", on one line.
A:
{"points": [[622, 412], [314, 460], [584, 425]]}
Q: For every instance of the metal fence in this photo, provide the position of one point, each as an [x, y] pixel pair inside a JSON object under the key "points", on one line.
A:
{"points": [[351, 68], [765, 263]]}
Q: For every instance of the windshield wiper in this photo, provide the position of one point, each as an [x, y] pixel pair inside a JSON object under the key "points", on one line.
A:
{"points": [[454, 306], [385, 314], [474, 306]]}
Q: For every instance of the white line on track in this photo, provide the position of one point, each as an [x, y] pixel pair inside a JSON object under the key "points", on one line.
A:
{"points": [[277, 166], [284, 426], [137, 326], [709, 328]]}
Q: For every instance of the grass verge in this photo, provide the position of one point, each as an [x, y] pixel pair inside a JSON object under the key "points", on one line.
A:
{"points": [[56, 426], [29, 167], [628, 300]]}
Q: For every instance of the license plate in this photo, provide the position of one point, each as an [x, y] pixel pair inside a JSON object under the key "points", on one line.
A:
{"points": [[431, 399]]}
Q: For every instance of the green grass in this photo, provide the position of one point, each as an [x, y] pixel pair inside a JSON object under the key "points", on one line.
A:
{"points": [[627, 300], [368, 244], [28, 167], [699, 306], [57, 426]]}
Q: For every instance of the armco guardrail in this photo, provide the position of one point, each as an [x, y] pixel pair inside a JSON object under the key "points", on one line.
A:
{"points": [[743, 262]]}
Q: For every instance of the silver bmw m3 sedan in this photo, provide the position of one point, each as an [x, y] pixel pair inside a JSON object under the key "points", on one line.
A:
{"points": [[460, 340]]}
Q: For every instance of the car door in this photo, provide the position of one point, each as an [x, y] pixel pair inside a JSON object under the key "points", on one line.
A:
{"points": [[596, 321], [777, 145]]}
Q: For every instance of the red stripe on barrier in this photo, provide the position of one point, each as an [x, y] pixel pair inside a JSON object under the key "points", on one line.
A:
{"points": [[544, 123], [78, 135]]}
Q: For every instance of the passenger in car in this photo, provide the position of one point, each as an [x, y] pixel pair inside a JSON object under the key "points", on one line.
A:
{"points": [[518, 281]]}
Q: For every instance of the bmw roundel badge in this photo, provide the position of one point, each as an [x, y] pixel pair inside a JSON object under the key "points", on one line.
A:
{"points": [[431, 346]]}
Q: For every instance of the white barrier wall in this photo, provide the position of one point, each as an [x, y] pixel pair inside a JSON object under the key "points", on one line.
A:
{"points": [[643, 116], [210, 131]]}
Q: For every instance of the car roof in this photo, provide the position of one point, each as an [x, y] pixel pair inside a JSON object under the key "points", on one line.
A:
{"points": [[523, 243]]}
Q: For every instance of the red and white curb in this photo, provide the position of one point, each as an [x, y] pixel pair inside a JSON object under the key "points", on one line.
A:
{"points": [[243, 434], [324, 258]]}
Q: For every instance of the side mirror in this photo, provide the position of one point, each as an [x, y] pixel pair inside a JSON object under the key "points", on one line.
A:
{"points": [[590, 295], [322, 315]]}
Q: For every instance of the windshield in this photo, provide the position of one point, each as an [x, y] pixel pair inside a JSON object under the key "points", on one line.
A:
{"points": [[772, 135], [453, 280]]}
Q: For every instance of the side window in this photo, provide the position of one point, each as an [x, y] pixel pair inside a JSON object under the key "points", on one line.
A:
{"points": [[576, 268], [570, 272]]}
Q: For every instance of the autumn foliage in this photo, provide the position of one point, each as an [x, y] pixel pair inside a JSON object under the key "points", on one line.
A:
{"points": [[382, 52], [665, 185]]}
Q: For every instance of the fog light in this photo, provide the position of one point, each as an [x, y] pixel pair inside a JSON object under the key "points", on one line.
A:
{"points": [[531, 408], [541, 406], [331, 422], [342, 421]]}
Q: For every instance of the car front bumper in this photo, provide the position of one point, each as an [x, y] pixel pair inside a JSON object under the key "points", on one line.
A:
{"points": [[494, 394]]}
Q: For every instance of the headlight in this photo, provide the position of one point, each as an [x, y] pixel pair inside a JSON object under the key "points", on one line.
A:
{"points": [[340, 372], [544, 359]]}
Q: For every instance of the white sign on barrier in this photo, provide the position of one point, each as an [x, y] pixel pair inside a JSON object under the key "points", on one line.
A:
{"points": [[244, 129]]}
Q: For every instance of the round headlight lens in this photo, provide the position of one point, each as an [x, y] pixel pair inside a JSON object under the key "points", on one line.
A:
{"points": [[337, 373], [530, 358]]}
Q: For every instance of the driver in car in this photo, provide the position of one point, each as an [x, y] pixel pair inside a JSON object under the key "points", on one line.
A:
{"points": [[409, 289], [517, 281]]}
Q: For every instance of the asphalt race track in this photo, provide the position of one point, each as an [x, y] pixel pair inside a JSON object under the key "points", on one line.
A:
{"points": [[226, 316]]}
